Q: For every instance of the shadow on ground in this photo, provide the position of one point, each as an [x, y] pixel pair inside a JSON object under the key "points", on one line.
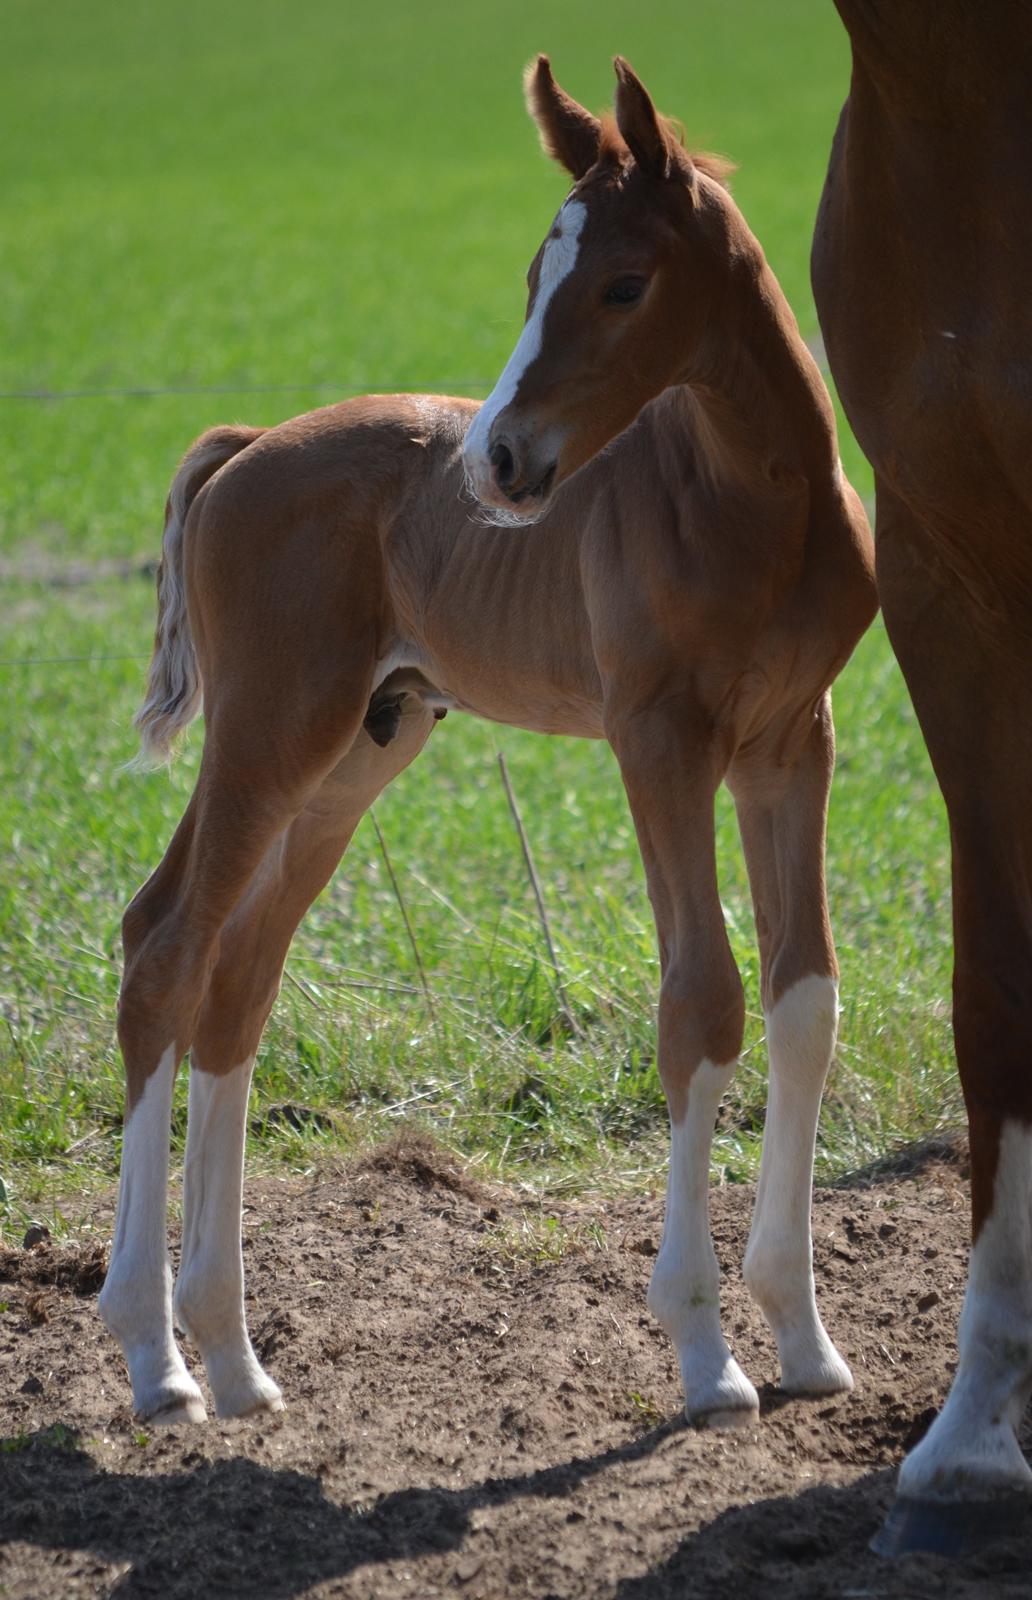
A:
{"points": [[237, 1528]]}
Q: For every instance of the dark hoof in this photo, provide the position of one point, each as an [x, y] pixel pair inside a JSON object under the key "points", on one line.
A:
{"points": [[948, 1527]]}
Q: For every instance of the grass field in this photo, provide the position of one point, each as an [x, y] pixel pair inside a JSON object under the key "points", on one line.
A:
{"points": [[261, 210]]}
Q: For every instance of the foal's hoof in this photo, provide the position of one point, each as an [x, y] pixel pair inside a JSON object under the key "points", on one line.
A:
{"points": [[176, 1412], [810, 1364], [262, 1407], [250, 1398], [950, 1528], [826, 1376], [734, 1417], [728, 1401]]}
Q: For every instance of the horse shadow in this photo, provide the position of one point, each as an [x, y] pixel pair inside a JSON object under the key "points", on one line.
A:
{"points": [[238, 1528]]}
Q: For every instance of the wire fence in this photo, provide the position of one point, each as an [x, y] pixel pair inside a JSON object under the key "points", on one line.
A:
{"points": [[318, 386]]}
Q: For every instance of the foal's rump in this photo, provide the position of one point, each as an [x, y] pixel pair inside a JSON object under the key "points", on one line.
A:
{"points": [[273, 554], [173, 695]]}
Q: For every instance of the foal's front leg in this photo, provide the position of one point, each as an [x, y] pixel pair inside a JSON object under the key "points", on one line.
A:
{"points": [[782, 802], [671, 773]]}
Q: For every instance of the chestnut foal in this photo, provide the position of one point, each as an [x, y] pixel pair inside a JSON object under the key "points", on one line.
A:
{"points": [[689, 595]]}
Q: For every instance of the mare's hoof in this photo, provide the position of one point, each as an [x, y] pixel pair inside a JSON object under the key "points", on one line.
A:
{"points": [[950, 1528]]}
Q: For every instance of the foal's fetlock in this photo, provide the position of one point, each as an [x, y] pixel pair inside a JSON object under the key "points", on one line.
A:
{"points": [[216, 1325], [243, 1389], [717, 1397], [717, 1393], [163, 1391], [810, 1363]]}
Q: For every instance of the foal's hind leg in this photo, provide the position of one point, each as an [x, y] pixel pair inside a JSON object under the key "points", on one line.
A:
{"points": [[171, 935], [671, 770], [781, 791], [136, 1300], [209, 1297], [261, 764]]}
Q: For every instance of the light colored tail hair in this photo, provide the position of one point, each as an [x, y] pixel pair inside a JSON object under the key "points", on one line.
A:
{"points": [[174, 687]]}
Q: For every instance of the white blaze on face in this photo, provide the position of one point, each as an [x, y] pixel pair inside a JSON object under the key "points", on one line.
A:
{"points": [[557, 262]]}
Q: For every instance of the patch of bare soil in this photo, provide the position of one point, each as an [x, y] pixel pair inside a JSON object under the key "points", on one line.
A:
{"points": [[479, 1405]]}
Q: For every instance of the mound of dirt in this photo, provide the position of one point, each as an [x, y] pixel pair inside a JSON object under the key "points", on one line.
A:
{"points": [[479, 1405], [79, 1267]]}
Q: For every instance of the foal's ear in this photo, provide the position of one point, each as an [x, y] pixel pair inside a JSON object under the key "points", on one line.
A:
{"points": [[569, 134], [640, 128]]}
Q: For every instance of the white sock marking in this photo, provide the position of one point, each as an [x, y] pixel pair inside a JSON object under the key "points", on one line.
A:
{"points": [[557, 262], [971, 1449], [136, 1300], [684, 1295], [778, 1266], [209, 1296]]}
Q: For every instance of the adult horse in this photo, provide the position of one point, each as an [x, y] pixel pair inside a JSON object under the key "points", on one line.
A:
{"points": [[921, 273], [689, 595]]}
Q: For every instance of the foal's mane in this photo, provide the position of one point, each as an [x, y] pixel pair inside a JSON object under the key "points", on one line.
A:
{"points": [[614, 150]]}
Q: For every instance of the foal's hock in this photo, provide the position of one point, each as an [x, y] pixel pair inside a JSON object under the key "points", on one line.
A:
{"points": [[330, 586]]}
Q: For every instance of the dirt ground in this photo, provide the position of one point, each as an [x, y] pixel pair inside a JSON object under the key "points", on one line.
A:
{"points": [[479, 1405]]}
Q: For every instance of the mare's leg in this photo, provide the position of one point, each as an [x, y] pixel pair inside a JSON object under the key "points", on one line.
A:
{"points": [[671, 771], [209, 1295], [781, 792], [967, 660]]}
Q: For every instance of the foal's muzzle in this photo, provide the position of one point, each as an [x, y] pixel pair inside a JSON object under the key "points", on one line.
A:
{"points": [[510, 473], [515, 480]]}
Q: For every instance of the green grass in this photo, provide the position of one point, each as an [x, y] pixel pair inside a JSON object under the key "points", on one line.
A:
{"points": [[336, 198]]}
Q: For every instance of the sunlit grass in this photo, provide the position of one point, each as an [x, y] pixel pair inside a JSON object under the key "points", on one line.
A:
{"points": [[342, 200], [489, 1064]]}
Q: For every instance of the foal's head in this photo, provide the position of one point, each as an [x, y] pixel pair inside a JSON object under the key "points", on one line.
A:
{"points": [[621, 293]]}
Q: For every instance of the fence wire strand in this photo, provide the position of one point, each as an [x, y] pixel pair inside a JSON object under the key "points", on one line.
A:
{"points": [[157, 390], [138, 392]]}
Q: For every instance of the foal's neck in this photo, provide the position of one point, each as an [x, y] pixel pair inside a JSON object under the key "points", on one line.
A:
{"points": [[760, 404]]}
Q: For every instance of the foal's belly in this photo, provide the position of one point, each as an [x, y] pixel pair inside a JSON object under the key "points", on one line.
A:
{"points": [[488, 685], [541, 714]]}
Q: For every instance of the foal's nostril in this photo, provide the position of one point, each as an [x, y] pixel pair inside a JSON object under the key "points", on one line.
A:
{"points": [[504, 465]]}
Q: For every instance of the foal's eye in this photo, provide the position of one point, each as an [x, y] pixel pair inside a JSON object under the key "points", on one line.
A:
{"points": [[624, 292]]}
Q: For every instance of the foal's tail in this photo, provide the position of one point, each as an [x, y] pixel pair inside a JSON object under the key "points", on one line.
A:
{"points": [[174, 686]]}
